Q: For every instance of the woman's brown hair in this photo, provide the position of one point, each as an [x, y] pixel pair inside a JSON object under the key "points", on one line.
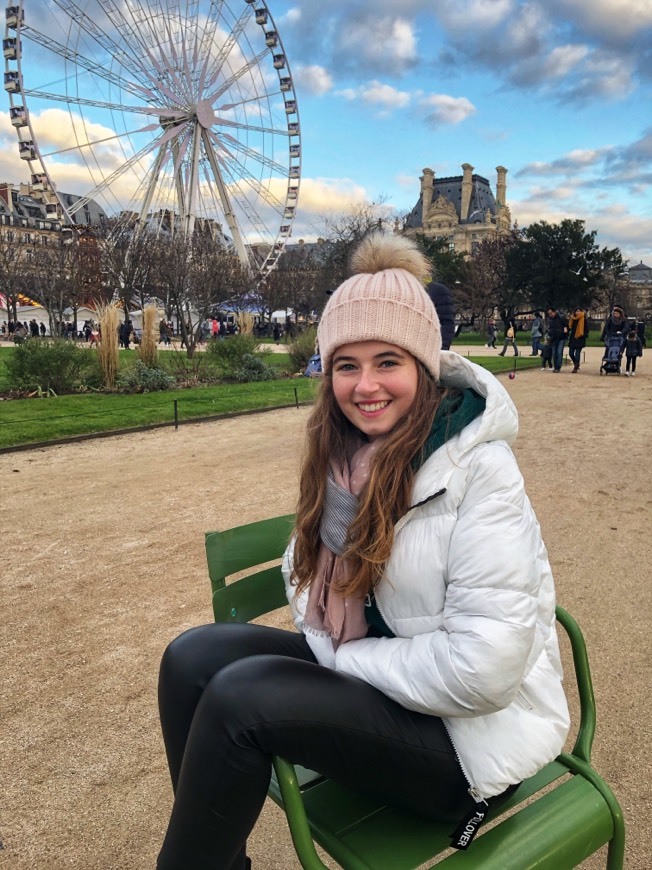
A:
{"points": [[386, 497]]}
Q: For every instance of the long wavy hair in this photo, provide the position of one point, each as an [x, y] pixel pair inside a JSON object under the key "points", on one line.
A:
{"points": [[386, 497]]}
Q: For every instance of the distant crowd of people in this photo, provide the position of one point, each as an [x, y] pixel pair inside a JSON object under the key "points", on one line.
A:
{"points": [[549, 334]]}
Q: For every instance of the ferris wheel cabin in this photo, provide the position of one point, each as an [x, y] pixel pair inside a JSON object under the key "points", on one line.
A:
{"points": [[14, 16], [18, 116], [12, 82], [26, 150], [39, 181], [10, 48]]}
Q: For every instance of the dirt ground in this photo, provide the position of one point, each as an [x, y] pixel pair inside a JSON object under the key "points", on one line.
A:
{"points": [[104, 564]]}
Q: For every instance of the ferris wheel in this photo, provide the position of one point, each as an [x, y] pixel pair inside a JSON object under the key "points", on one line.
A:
{"points": [[167, 112]]}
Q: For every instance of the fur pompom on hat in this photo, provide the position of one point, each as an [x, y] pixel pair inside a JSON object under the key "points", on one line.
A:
{"points": [[384, 301]]}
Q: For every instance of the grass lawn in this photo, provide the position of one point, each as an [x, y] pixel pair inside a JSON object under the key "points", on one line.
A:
{"points": [[24, 421]]}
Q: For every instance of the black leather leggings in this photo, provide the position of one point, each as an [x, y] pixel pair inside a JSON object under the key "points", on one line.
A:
{"points": [[231, 696]]}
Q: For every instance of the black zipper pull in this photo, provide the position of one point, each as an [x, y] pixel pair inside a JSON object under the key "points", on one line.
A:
{"points": [[463, 835]]}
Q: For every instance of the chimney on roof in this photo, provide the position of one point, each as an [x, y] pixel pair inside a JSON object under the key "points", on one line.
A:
{"points": [[501, 186], [467, 190], [427, 186]]}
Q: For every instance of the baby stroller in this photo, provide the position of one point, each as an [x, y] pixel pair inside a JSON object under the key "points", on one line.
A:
{"points": [[613, 351], [313, 369]]}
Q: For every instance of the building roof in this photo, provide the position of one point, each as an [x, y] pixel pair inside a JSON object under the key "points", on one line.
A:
{"points": [[482, 198], [640, 267]]}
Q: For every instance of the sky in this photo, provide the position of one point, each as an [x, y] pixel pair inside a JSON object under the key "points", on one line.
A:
{"points": [[557, 91]]}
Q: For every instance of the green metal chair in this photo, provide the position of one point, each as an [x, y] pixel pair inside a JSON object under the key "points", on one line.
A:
{"points": [[554, 820]]}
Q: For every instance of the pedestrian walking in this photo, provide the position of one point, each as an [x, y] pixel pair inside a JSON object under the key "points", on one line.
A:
{"points": [[578, 332], [536, 333], [510, 337], [633, 349], [558, 330]]}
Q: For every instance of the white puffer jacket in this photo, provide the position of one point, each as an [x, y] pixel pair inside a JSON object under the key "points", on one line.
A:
{"points": [[469, 594]]}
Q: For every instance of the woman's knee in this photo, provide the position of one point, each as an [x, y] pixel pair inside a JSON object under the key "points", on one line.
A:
{"points": [[184, 656], [258, 689]]}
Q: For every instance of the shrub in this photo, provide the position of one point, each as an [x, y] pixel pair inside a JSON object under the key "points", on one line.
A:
{"points": [[229, 354], [253, 368], [302, 349], [144, 379], [52, 364], [189, 372]]}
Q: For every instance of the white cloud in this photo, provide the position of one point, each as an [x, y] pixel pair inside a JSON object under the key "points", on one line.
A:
{"points": [[482, 13], [409, 182], [607, 18], [616, 224], [571, 163], [377, 94], [526, 30], [564, 58], [57, 130], [556, 194], [607, 75], [320, 196], [382, 42], [446, 109], [292, 16], [313, 79]]}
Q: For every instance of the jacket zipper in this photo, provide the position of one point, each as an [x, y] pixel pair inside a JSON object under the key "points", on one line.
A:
{"points": [[463, 835]]}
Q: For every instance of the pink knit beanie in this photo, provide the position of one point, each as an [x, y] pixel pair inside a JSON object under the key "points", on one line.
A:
{"points": [[384, 301]]}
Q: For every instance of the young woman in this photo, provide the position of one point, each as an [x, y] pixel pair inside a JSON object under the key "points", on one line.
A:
{"points": [[426, 667]]}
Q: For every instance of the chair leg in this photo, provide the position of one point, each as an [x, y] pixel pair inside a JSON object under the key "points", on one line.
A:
{"points": [[296, 816], [616, 849]]}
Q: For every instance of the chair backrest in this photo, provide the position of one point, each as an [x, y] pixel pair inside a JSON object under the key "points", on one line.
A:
{"points": [[236, 550], [259, 592]]}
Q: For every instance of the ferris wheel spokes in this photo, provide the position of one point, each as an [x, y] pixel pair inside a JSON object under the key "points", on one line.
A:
{"points": [[80, 60], [254, 155], [254, 128], [91, 28], [236, 76], [99, 104], [116, 174]]}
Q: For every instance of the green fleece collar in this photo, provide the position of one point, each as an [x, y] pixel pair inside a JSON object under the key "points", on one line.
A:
{"points": [[456, 410]]}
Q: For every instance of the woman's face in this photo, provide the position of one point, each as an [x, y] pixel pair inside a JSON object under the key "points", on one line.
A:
{"points": [[374, 385]]}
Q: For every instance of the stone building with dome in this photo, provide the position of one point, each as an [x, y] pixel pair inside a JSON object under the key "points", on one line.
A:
{"points": [[461, 209]]}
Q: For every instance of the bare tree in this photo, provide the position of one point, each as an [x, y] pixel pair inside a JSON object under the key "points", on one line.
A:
{"points": [[293, 283], [197, 276], [64, 272], [342, 234], [14, 270], [486, 284], [127, 251]]}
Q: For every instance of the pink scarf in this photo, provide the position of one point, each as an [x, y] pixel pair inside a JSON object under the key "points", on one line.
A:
{"points": [[329, 614]]}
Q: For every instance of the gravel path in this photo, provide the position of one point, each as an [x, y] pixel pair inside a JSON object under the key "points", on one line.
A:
{"points": [[104, 564]]}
